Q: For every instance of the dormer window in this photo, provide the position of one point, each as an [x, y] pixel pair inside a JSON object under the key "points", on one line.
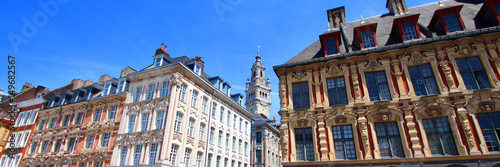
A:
{"points": [[197, 69], [195, 66], [365, 36], [330, 43], [452, 22], [447, 20], [121, 86], [331, 46], [158, 62], [409, 31], [106, 88]]}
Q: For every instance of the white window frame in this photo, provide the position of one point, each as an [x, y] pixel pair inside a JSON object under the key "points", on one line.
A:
{"points": [[194, 99], [178, 122]]}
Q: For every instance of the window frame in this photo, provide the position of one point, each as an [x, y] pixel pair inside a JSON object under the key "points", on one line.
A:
{"points": [[301, 95], [337, 90], [429, 134], [358, 33], [423, 79], [306, 144], [387, 85], [388, 137]]}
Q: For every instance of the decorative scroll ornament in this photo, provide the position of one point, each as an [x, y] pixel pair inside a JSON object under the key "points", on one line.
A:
{"points": [[373, 64], [384, 116], [417, 58], [140, 137]]}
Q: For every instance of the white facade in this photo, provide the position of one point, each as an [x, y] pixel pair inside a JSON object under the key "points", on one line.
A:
{"points": [[170, 114]]}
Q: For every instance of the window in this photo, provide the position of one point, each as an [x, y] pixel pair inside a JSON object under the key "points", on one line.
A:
{"points": [[258, 156], [204, 105], [33, 147], [198, 159], [367, 39], [258, 137], [389, 140], [245, 150], [165, 86], [52, 123], [337, 94], [123, 155], [105, 140], [409, 31], [187, 157], [218, 161], [377, 86], [151, 91], [137, 96], [331, 46], [220, 139], [159, 119], [209, 160], [212, 135], [202, 132], [97, 115], [78, 118], [221, 115], [497, 8], [234, 121], [112, 112], [246, 125], [44, 147], [83, 164], [490, 125], [173, 154], [452, 22], [33, 116], [344, 142], [144, 122], [304, 146], [214, 107], [178, 122], [137, 154], [194, 99], [423, 80], [300, 95], [226, 162], [239, 146], [473, 73], [152, 153], [66, 120], [121, 84], [105, 89], [131, 122], [182, 93], [58, 145], [241, 120], [70, 144], [98, 164], [190, 130], [228, 117], [439, 136], [19, 118], [41, 125], [90, 142], [227, 141], [158, 61]]}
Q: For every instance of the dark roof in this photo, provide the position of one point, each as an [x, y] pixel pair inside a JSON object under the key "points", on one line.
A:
{"points": [[384, 27]]}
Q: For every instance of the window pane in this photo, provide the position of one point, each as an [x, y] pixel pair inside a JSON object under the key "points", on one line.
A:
{"points": [[331, 46], [300, 95], [439, 136], [304, 144], [336, 91], [367, 39], [473, 73], [452, 22], [423, 80], [409, 30], [378, 88], [344, 142], [490, 125], [389, 140]]}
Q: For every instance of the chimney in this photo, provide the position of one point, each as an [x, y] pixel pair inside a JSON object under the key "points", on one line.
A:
{"points": [[26, 86], [336, 17], [396, 7]]}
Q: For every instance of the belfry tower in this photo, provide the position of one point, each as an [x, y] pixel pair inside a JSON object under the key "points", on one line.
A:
{"points": [[258, 89]]}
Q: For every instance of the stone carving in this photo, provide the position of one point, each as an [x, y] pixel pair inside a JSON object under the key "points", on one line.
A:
{"points": [[340, 119], [468, 132], [114, 102], [433, 111], [140, 137], [100, 104], [302, 122], [176, 79], [384, 116], [190, 141], [487, 106], [364, 136], [417, 58], [355, 82], [373, 64], [177, 136], [446, 69]]}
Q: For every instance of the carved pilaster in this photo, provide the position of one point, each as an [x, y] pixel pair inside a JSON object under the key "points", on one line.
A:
{"points": [[445, 66], [284, 142], [317, 85], [355, 83], [362, 122], [399, 79], [282, 93], [464, 120], [322, 138], [412, 131]]}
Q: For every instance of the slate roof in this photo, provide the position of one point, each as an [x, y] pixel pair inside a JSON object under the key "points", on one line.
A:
{"points": [[386, 40]]}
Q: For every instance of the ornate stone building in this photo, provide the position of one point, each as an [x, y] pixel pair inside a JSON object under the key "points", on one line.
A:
{"points": [[265, 135], [77, 125], [29, 102], [177, 115], [413, 87]]}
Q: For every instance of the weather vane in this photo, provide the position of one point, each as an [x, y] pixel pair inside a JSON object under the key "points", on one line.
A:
{"points": [[258, 49]]}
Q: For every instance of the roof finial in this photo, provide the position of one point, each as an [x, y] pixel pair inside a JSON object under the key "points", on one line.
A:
{"points": [[440, 3], [362, 20], [258, 49]]}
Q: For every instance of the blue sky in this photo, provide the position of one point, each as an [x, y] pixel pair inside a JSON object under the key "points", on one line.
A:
{"points": [[81, 39]]}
